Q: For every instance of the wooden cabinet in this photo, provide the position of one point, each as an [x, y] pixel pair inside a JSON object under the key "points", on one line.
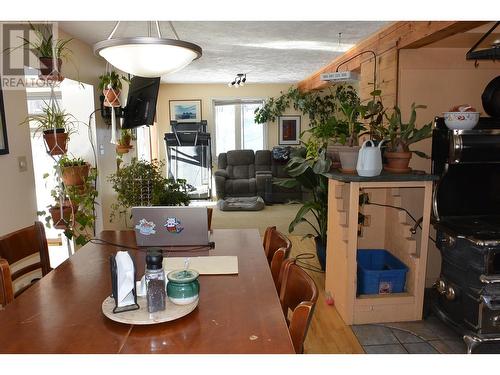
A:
{"points": [[388, 229]]}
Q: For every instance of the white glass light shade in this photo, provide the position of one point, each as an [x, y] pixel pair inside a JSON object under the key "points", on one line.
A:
{"points": [[146, 56]]}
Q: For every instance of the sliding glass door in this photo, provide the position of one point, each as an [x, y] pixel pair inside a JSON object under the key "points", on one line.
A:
{"points": [[235, 128]]}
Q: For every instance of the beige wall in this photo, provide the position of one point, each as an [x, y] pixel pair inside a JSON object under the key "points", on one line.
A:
{"points": [[17, 198], [207, 93], [17, 193], [439, 78]]}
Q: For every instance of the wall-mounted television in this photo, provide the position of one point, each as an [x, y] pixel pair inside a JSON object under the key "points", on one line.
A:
{"points": [[141, 102]]}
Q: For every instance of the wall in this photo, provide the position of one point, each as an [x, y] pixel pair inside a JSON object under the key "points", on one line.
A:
{"points": [[18, 193], [17, 197], [207, 93], [439, 78]]}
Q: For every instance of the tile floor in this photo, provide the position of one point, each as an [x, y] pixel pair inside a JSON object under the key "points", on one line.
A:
{"points": [[429, 336]]}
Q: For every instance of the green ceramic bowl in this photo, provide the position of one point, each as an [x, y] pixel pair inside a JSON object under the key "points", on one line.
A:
{"points": [[183, 287]]}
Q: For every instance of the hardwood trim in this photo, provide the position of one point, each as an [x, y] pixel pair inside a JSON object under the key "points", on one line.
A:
{"points": [[398, 35]]}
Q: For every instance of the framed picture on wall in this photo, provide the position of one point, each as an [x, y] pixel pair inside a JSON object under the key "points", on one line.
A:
{"points": [[289, 130], [4, 146], [185, 110]]}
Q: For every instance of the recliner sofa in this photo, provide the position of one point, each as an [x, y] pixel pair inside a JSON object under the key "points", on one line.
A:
{"points": [[243, 173]]}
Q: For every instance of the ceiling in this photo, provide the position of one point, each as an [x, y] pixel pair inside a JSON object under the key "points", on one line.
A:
{"points": [[269, 52]]}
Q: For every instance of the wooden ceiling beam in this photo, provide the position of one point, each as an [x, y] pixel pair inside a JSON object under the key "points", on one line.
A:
{"points": [[398, 35]]}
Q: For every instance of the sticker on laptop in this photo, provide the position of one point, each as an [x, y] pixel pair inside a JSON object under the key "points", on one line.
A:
{"points": [[173, 225], [146, 227]]}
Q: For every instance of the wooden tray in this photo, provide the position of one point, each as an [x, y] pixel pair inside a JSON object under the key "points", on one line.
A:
{"points": [[142, 316]]}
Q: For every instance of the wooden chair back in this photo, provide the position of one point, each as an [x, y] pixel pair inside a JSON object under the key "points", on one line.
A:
{"points": [[298, 294], [26, 255], [277, 248], [210, 211]]}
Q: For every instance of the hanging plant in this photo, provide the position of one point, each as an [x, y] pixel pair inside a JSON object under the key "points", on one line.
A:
{"points": [[111, 85]]}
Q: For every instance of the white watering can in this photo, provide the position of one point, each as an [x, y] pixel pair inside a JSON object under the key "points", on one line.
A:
{"points": [[369, 160]]}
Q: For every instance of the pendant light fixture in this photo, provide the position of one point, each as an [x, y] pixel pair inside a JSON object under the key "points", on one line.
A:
{"points": [[147, 56]]}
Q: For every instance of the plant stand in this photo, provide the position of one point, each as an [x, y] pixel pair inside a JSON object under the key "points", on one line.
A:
{"points": [[388, 230]]}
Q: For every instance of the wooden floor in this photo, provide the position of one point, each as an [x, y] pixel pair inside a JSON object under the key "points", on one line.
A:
{"points": [[328, 334]]}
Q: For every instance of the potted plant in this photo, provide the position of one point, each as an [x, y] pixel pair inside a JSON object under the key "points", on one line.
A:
{"points": [[48, 50], [399, 136], [308, 167], [141, 183], [73, 210], [55, 124], [123, 146], [74, 171], [111, 84]]}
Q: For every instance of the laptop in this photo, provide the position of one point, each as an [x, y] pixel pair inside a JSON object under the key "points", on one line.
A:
{"points": [[170, 226]]}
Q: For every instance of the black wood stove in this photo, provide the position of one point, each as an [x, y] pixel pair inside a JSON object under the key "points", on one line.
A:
{"points": [[466, 210]]}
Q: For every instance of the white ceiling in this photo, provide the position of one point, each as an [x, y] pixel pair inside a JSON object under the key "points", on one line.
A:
{"points": [[270, 52]]}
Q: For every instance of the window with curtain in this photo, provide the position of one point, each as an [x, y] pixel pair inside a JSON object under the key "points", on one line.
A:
{"points": [[235, 128]]}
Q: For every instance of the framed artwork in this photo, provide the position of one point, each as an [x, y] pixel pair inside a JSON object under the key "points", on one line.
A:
{"points": [[4, 146], [185, 110], [289, 130]]}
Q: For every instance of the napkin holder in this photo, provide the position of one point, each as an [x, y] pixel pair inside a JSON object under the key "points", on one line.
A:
{"points": [[114, 286]]}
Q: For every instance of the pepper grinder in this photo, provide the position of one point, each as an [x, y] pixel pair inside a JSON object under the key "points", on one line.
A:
{"points": [[155, 282]]}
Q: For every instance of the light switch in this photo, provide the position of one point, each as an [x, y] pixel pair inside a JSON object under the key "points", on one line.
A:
{"points": [[22, 164]]}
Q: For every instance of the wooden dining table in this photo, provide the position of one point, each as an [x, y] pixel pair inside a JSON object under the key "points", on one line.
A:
{"points": [[62, 312]]}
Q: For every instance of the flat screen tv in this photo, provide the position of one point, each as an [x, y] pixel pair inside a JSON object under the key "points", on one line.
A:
{"points": [[141, 102]]}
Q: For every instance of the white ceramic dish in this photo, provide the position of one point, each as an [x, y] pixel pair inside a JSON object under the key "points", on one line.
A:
{"points": [[461, 120]]}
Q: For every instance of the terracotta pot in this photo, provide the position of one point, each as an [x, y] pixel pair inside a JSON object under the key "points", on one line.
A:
{"points": [[75, 175], [397, 162], [123, 149], [47, 68], [111, 98], [56, 143], [348, 158], [61, 223]]}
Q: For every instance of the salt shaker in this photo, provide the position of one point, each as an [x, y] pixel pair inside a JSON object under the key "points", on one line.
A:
{"points": [[155, 282]]}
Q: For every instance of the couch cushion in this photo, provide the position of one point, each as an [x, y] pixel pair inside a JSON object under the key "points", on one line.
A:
{"points": [[262, 160], [240, 157], [240, 187]]}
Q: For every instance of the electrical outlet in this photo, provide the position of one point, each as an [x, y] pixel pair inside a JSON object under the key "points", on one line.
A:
{"points": [[22, 164]]}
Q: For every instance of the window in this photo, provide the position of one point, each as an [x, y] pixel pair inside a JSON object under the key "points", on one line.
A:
{"points": [[235, 128]]}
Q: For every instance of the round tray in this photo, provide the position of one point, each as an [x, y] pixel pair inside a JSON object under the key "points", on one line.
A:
{"points": [[142, 316]]}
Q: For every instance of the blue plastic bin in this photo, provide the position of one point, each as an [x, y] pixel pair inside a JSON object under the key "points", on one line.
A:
{"points": [[380, 272]]}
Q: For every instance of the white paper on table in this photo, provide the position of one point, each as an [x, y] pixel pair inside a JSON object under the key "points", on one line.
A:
{"points": [[205, 265], [125, 278]]}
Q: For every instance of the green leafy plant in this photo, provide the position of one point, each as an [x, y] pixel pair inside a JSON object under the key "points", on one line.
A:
{"points": [[308, 167], [67, 161], [126, 136], [141, 184], [111, 80], [401, 135], [45, 45], [81, 199], [317, 105], [52, 117], [172, 193]]}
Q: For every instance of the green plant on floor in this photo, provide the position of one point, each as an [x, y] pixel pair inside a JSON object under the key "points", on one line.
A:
{"points": [[141, 183], [307, 167]]}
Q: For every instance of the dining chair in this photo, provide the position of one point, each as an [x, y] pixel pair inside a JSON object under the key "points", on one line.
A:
{"points": [[24, 259], [210, 211], [277, 247], [298, 294]]}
